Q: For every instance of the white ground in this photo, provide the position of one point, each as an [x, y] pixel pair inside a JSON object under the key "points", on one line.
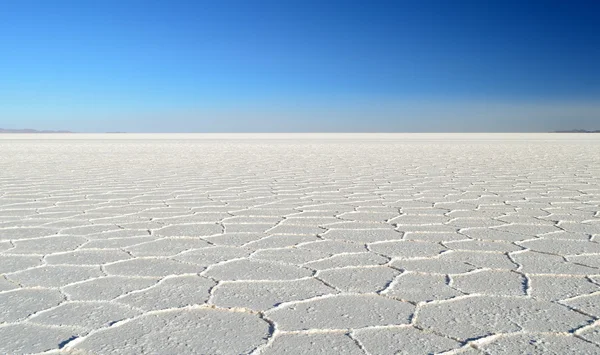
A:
{"points": [[300, 244]]}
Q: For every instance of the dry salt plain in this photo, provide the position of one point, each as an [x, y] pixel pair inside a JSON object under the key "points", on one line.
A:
{"points": [[300, 244]]}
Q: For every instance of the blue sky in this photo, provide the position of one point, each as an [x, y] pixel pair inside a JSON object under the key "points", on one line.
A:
{"points": [[300, 66]]}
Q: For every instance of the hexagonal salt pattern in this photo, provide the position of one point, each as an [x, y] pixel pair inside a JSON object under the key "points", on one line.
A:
{"points": [[308, 244]]}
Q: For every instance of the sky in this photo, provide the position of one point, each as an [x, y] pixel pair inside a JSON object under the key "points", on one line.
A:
{"points": [[300, 66]]}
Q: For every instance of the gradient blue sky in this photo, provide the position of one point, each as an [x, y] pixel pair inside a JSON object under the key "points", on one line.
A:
{"points": [[309, 66]]}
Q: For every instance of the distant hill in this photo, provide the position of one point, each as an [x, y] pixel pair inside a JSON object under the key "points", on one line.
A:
{"points": [[578, 131], [28, 130]]}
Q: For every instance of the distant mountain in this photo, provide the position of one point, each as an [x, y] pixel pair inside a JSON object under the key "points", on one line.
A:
{"points": [[578, 131], [28, 130]]}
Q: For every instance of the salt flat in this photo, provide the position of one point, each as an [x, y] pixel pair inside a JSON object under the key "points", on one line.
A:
{"points": [[300, 244]]}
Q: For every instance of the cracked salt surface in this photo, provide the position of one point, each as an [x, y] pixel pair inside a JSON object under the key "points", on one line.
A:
{"points": [[300, 244]]}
